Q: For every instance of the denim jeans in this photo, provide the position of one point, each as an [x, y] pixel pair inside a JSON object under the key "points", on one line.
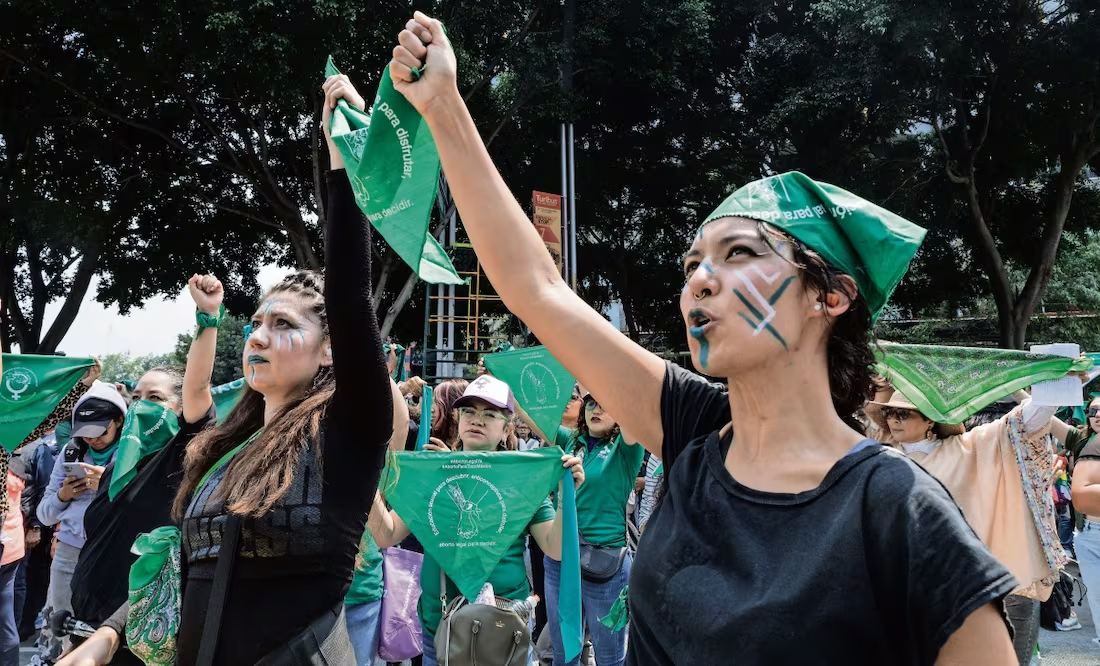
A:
{"points": [[608, 646], [364, 625], [1087, 546], [1064, 518], [58, 598], [9, 636]]}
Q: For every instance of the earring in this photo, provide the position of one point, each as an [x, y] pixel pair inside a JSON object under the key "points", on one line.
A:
{"points": [[817, 308], [328, 352]]}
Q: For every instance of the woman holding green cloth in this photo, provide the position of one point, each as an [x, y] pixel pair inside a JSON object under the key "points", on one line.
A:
{"points": [[485, 411], [999, 474], [290, 474], [611, 467], [139, 486], [875, 563]]}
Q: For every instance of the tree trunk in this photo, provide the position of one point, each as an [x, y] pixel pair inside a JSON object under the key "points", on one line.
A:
{"points": [[298, 237], [399, 304], [69, 309]]}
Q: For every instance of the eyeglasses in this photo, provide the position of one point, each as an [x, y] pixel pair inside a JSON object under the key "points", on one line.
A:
{"points": [[1093, 411], [470, 412], [898, 414]]}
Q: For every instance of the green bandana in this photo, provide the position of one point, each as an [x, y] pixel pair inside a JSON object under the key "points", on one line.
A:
{"points": [[951, 384], [63, 433], [155, 597], [30, 388], [226, 397], [101, 458], [619, 616], [395, 186], [541, 385], [871, 244], [147, 428], [467, 508]]}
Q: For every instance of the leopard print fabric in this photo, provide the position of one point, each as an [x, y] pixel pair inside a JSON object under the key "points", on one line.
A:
{"points": [[63, 411]]}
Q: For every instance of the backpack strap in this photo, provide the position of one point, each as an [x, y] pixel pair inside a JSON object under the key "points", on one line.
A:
{"points": [[219, 593]]}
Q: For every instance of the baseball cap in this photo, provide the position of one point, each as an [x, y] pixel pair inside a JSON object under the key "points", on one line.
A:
{"points": [[491, 390], [96, 409]]}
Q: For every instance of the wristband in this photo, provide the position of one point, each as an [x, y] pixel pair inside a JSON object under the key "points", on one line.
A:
{"points": [[205, 321]]}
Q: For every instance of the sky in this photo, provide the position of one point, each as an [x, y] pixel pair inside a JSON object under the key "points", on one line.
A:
{"points": [[152, 329]]}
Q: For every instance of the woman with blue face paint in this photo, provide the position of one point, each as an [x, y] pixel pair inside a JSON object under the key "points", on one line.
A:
{"points": [[290, 474], [782, 283]]}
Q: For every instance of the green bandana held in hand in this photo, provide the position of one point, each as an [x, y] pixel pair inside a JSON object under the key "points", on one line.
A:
{"points": [[542, 386], [871, 244], [147, 428], [30, 388], [394, 171], [468, 508], [951, 384]]}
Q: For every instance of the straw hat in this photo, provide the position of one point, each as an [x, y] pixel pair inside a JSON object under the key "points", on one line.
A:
{"points": [[874, 410]]}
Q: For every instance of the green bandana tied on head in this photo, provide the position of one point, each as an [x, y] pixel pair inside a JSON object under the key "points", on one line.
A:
{"points": [[951, 384], [869, 243], [394, 170], [30, 388], [147, 428]]}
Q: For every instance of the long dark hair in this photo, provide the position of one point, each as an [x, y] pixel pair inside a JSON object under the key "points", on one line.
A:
{"points": [[262, 472], [850, 350]]}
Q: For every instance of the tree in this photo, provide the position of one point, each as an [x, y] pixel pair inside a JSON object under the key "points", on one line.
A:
{"points": [[124, 367], [974, 119], [228, 357]]}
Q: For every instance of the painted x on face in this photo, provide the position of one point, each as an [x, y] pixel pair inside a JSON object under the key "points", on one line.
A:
{"points": [[742, 303]]}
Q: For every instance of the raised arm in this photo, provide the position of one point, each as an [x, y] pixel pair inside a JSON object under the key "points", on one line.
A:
{"points": [[363, 393], [627, 378], [208, 294]]}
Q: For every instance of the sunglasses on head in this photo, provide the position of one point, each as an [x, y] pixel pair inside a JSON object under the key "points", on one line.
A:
{"points": [[470, 412], [1093, 411], [897, 413]]}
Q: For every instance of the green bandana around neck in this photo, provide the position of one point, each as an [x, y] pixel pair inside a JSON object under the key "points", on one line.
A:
{"points": [[31, 386], [951, 384], [147, 428], [101, 458], [394, 171], [542, 386], [869, 243]]}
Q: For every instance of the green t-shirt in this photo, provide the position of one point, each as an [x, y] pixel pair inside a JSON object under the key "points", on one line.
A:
{"points": [[366, 586], [609, 474], [509, 578]]}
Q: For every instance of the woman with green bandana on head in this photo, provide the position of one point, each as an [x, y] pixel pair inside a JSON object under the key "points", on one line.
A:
{"points": [[875, 563], [611, 467], [485, 411]]}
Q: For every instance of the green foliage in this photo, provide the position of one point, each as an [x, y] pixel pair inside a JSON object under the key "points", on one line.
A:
{"points": [[119, 367], [227, 358]]}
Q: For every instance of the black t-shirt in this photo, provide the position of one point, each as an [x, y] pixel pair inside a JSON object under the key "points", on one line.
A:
{"points": [[101, 578], [875, 566]]}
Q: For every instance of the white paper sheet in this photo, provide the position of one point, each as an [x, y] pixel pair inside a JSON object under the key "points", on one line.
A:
{"points": [[1060, 392]]}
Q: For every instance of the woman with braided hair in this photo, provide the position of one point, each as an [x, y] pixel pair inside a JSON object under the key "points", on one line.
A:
{"points": [[294, 467]]}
